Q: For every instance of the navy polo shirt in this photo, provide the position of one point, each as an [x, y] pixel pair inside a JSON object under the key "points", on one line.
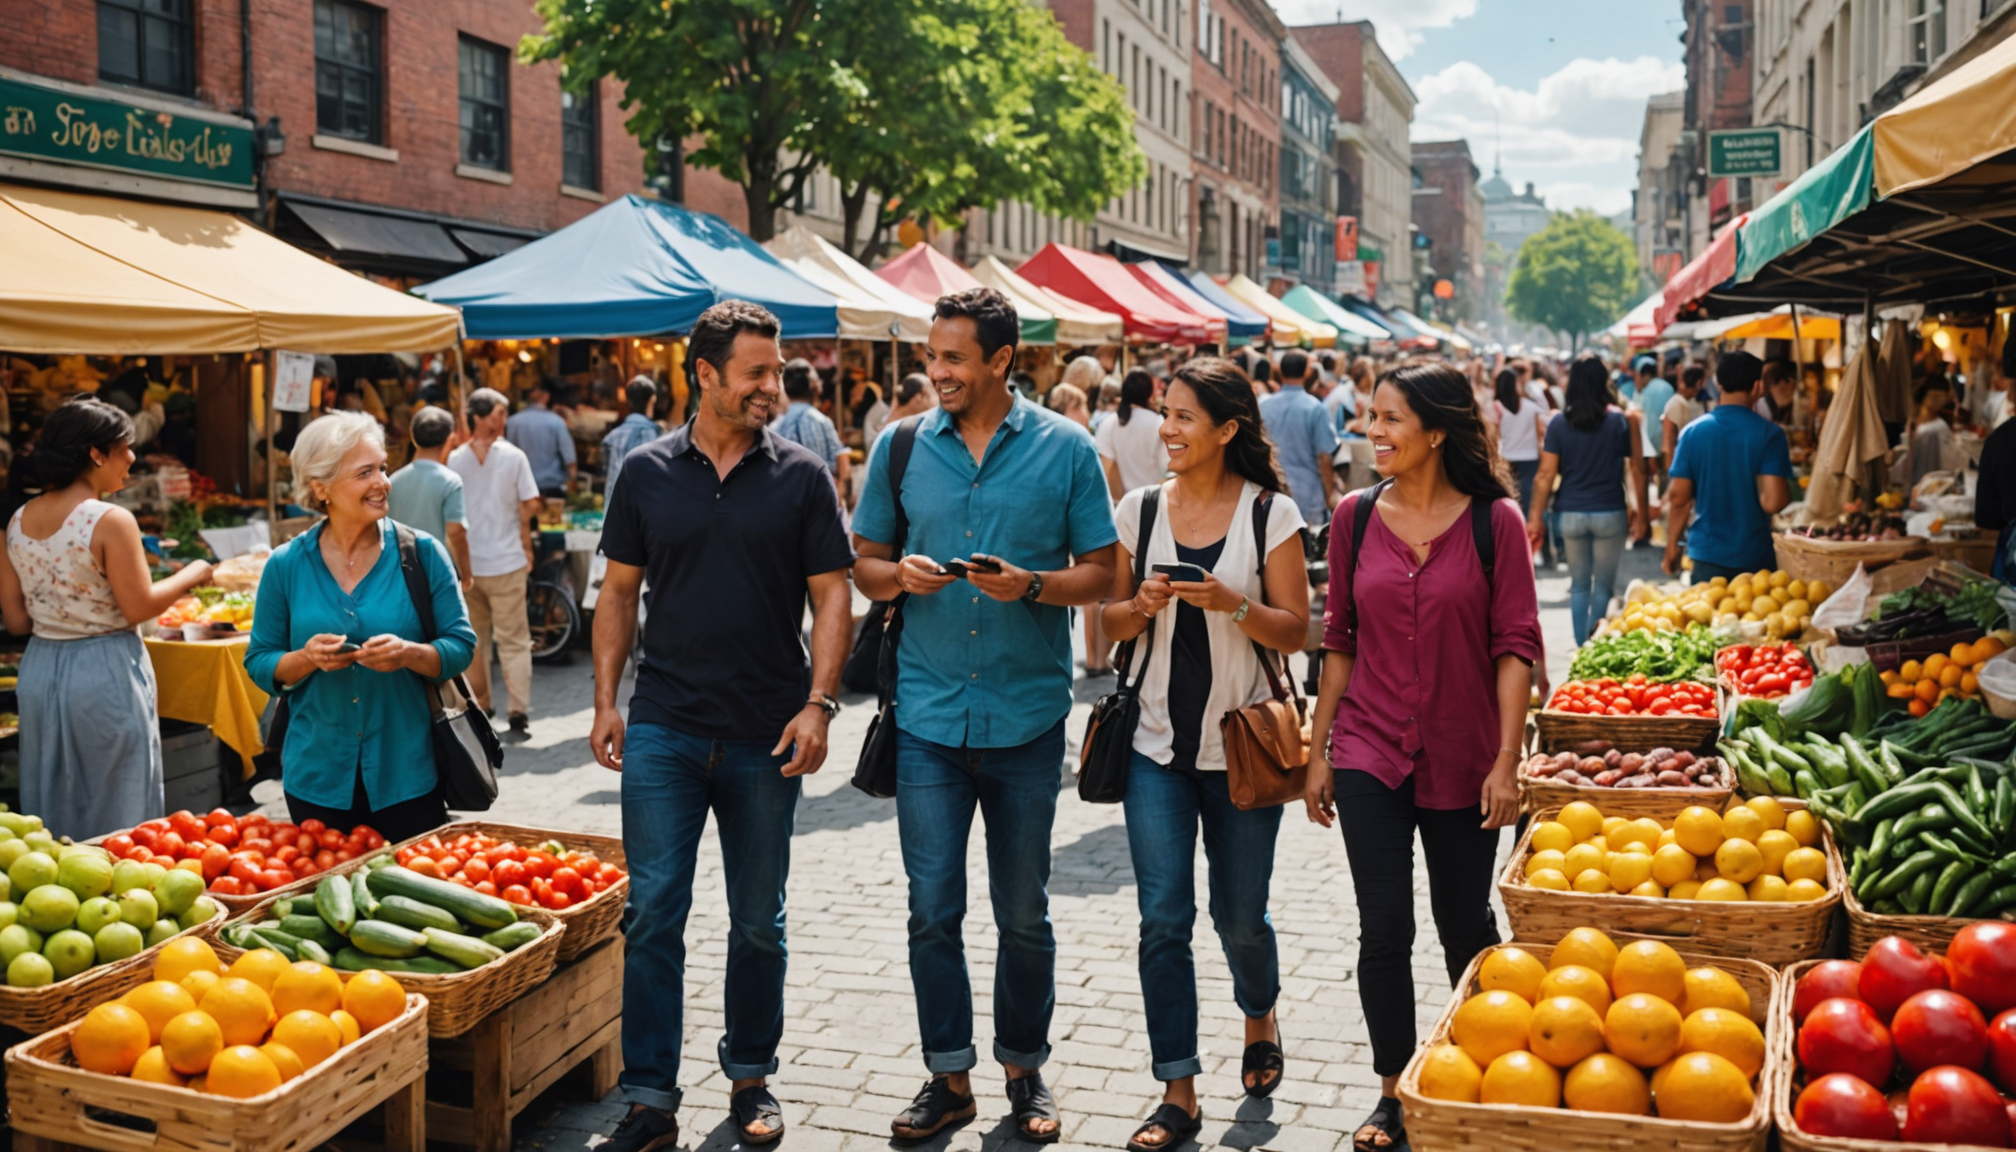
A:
{"points": [[727, 562]]}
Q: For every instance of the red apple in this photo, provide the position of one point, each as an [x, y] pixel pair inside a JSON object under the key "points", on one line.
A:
{"points": [[1824, 981], [1939, 1027], [1896, 970], [1843, 1035], [1951, 1105], [1844, 1106], [1982, 960]]}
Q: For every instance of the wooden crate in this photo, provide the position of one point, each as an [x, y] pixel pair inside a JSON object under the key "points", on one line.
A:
{"points": [[518, 1051], [1834, 561], [55, 1105], [590, 922]]}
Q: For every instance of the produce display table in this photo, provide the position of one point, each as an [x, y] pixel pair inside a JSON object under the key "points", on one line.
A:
{"points": [[204, 682]]}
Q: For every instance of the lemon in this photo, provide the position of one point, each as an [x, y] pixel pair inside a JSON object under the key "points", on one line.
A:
{"points": [[1698, 830], [1649, 888], [1739, 860], [1673, 864], [1581, 819], [1594, 882], [1768, 889], [1548, 858], [1581, 858], [1802, 890], [1549, 879], [1667, 836], [1775, 845], [1768, 809], [1740, 823], [1612, 823], [1629, 869], [1723, 889], [1684, 890], [1553, 835], [1805, 864]]}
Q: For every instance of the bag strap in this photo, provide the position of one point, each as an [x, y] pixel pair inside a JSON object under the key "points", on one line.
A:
{"points": [[1262, 506], [1151, 502], [1480, 536], [901, 443], [423, 604]]}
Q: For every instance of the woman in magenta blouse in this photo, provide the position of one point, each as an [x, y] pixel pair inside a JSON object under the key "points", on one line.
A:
{"points": [[1426, 677]]}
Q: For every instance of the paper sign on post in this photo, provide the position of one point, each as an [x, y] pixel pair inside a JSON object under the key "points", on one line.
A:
{"points": [[229, 542], [293, 374]]}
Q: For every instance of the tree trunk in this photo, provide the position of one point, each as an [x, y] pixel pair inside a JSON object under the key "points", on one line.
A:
{"points": [[758, 192], [853, 201]]}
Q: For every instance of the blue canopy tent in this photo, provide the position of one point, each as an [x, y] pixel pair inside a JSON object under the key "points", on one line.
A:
{"points": [[635, 267], [1242, 323], [1377, 315]]}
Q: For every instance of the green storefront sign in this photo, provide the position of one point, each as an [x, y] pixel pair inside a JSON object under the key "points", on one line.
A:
{"points": [[50, 124], [1743, 152]]}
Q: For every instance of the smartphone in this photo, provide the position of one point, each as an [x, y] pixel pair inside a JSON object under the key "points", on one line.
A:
{"points": [[347, 647], [1180, 573], [959, 568]]}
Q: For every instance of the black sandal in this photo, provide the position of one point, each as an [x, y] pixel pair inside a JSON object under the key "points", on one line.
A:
{"points": [[1262, 1056], [935, 1109], [1180, 1125], [1387, 1119], [753, 1104], [1032, 1101]]}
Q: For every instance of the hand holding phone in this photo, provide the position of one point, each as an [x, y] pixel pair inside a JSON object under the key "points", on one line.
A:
{"points": [[347, 647], [977, 562], [1180, 573]]}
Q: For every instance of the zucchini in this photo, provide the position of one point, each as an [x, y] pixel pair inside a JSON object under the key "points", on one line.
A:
{"points": [[390, 940], [351, 960], [378, 861], [361, 895], [335, 903], [282, 908], [311, 928], [464, 904], [410, 913], [513, 936], [310, 950], [238, 936], [467, 951], [278, 941]]}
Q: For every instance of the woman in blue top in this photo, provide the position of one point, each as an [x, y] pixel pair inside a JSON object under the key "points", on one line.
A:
{"points": [[1584, 446], [336, 631]]}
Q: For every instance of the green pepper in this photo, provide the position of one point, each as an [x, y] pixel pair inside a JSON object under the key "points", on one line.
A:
{"points": [[1944, 888], [1919, 895], [1970, 894]]}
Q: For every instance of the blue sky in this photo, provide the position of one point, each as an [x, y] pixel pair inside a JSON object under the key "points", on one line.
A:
{"points": [[1561, 83]]}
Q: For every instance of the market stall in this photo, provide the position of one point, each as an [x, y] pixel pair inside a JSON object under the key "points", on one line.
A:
{"points": [[1157, 278], [870, 308], [926, 273], [1289, 327], [1352, 329], [1202, 283], [1079, 325], [1104, 282]]}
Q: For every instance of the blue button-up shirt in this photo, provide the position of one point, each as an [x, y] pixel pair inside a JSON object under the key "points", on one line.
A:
{"points": [[633, 433], [972, 671], [806, 426], [544, 437], [1301, 430], [355, 721]]}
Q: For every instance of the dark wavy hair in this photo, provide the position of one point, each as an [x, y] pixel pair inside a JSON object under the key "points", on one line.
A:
{"points": [[1441, 398], [1136, 391], [1588, 393], [1507, 389], [63, 452], [1226, 394]]}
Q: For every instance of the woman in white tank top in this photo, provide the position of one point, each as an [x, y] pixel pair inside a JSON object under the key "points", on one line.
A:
{"points": [[75, 574], [1521, 421]]}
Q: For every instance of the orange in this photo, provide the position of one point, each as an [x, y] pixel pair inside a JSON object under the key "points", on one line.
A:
{"points": [[1769, 809], [110, 1040], [1643, 1029], [1651, 967], [1582, 858], [1514, 970], [1565, 1031], [158, 1001], [1448, 1074], [1673, 864], [190, 1041], [1606, 1083], [1728, 1035], [1490, 1024], [1587, 947], [1629, 869], [1520, 1078], [153, 1068], [1802, 890], [1721, 888], [1698, 830], [1594, 882], [306, 984], [1774, 844], [241, 1071], [1552, 834], [1767, 889], [1659, 1075], [1550, 879], [241, 1008], [1710, 987], [1684, 890], [1582, 983], [1543, 860], [284, 1059], [313, 1036], [347, 1025], [181, 956], [199, 982], [1582, 819], [1706, 1087], [1803, 827], [376, 999], [1806, 864], [262, 966], [1740, 823], [1739, 860]]}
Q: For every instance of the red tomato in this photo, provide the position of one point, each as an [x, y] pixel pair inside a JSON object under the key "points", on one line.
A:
{"points": [[187, 824], [303, 866], [286, 855], [486, 888], [355, 842], [515, 894], [312, 826], [539, 864], [1843, 1106], [1938, 1027], [119, 844], [140, 855], [325, 860], [260, 844], [1955, 1106], [1824, 981], [276, 877], [344, 855], [372, 840], [608, 874], [193, 850], [329, 838], [170, 844], [283, 831], [1842, 1035], [256, 857], [146, 837], [425, 866], [219, 816], [1981, 961], [508, 873], [1896, 970], [228, 886], [2002, 1049], [567, 880], [450, 864], [225, 834], [216, 859], [478, 870], [555, 899], [306, 842]]}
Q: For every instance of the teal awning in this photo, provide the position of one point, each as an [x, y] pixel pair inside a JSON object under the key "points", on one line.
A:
{"points": [[1826, 194]]}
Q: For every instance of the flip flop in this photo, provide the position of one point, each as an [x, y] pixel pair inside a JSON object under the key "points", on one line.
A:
{"points": [[752, 1104], [1262, 1056], [1031, 1100], [1180, 1125], [1387, 1119]]}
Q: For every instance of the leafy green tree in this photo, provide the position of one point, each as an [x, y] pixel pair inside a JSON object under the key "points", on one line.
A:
{"points": [[1573, 277]]}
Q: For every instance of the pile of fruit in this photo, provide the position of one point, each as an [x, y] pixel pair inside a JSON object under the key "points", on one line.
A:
{"points": [[545, 875], [213, 606], [1754, 851], [66, 907], [388, 917], [1911, 1044], [243, 857], [1634, 697], [1783, 605], [1955, 672], [1767, 671], [1584, 1028], [1660, 657], [237, 1032], [1659, 768]]}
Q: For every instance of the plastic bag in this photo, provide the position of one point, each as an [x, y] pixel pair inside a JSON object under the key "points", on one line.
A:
{"points": [[1998, 676], [1849, 603]]}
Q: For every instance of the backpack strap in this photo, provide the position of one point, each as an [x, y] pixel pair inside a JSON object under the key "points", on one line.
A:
{"points": [[901, 443], [1151, 502], [1263, 505], [1482, 537], [1361, 520]]}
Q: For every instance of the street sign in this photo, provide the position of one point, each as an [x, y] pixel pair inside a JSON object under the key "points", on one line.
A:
{"points": [[50, 124], [1743, 152], [1347, 237], [293, 380], [1351, 279]]}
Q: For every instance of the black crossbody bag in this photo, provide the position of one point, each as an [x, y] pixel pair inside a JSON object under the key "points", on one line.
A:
{"points": [[467, 753], [1108, 752], [875, 771]]}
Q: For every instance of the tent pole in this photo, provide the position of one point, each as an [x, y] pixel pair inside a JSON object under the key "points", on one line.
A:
{"points": [[459, 392], [272, 430]]}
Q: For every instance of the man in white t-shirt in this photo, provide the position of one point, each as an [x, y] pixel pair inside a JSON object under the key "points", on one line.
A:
{"points": [[501, 499], [1683, 409]]}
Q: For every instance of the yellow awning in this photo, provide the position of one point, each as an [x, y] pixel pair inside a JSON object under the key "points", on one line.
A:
{"points": [[1290, 326], [1963, 119], [1778, 326], [98, 274]]}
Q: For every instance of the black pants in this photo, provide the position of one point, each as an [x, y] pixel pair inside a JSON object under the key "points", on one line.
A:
{"points": [[1379, 824], [401, 821]]}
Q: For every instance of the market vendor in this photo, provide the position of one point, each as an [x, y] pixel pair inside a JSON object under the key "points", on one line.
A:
{"points": [[75, 572], [1995, 495]]}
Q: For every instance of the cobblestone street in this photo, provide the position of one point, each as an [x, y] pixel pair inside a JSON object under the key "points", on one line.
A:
{"points": [[850, 1055]]}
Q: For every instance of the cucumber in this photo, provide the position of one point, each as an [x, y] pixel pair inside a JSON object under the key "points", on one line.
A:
{"points": [[282, 908], [361, 896], [311, 928], [514, 936], [310, 950], [463, 903], [390, 940], [335, 904], [238, 936], [467, 951], [410, 913], [351, 960], [378, 861], [278, 941]]}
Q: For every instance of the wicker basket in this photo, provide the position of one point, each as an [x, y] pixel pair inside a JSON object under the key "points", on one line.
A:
{"points": [[1447, 1126], [1865, 928], [458, 1002], [50, 1097], [588, 923], [1834, 561], [34, 1010], [1775, 934], [1566, 731], [237, 904], [1541, 794]]}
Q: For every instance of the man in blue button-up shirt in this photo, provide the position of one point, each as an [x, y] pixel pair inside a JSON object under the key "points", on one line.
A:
{"points": [[1306, 437], [1012, 496]]}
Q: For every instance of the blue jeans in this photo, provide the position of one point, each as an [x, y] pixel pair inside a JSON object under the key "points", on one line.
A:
{"points": [[937, 788], [1593, 543], [1164, 809], [671, 780]]}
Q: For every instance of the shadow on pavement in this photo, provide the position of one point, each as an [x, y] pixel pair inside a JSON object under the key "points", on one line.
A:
{"points": [[843, 808], [1095, 864]]}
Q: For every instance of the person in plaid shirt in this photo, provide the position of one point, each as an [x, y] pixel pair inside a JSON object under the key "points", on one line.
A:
{"points": [[635, 431]]}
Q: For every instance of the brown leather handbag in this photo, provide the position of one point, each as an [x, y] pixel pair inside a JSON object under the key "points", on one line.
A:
{"points": [[1266, 743]]}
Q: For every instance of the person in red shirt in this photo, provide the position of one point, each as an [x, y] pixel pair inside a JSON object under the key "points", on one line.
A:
{"points": [[1427, 672]]}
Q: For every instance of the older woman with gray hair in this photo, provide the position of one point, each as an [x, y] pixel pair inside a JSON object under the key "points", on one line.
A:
{"points": [[337, 633]]}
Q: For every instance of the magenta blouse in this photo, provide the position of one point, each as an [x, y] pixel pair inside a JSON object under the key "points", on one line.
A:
{"points": [[1423, 698]]}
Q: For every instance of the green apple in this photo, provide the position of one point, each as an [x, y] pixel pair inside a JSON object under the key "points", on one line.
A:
{"points": [[117, 941], [49, 908], [96, 913], [42, 842], [70, 952], [9, 913], [178, 890], [199, 912], [138, 907], [16, 939], [32, 871], [6, 887], [162, 930], [129, 874], [85, 873], [154, 874], [12, 850], [30, 970], [15, 823], [34, 821]]}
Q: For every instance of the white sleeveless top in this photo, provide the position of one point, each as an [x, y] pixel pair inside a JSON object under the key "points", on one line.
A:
{"points": [[68, 596]]}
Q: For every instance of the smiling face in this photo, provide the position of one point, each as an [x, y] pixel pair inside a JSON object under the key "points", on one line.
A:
{"points": [[1400, 443], [1187, 431], [360, 486], [749, 387], [958, 369]]}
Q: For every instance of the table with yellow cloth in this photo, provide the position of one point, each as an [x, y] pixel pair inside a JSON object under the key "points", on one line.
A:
{"points": [[204, 682]]}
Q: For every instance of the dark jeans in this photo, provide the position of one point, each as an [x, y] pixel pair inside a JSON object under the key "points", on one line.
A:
{"points": [[671, 780], [1015, 789], [1164, 809], [1379, 825], [395, 822]]}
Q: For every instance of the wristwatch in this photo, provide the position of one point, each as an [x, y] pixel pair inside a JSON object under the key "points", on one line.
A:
{"points": [[1244, 605], [827, 704], [1035, 587]]}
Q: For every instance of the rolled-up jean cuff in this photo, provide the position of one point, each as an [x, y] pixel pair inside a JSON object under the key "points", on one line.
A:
{"points": [[1178, 1069], [961, 1061], [744, 1071], [1021, 1059], [653, 1097]]}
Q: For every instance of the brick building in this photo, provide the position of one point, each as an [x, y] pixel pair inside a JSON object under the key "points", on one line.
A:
{"points": [[1375, 185], [401, 139], [1235, 138], [1449, 212]]}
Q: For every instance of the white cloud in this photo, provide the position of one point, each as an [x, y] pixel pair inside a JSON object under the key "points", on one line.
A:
{"points": [[1399, 23]]}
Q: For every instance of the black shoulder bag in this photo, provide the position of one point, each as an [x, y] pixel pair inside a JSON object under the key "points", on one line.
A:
{"points": [[875, 771], [1361, 519], [1108, 752], [467, 752]]}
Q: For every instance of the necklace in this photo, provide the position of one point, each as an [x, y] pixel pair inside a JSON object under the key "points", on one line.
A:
{"points": [[350, 559], [1183, 507]]}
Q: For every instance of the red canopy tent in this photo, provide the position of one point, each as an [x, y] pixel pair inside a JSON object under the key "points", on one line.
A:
{"points": [[1698, 278], [926, 273], [1105, 283], [1158, 280]]}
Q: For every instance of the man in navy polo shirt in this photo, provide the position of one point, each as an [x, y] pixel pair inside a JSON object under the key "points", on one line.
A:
{"points": [[1015, 493], [732, 525]]}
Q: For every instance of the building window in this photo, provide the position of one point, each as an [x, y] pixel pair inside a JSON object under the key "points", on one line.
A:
{"points": [[580, 158], [1926, 30], [346, 70], [148, 43], [486, 105]]}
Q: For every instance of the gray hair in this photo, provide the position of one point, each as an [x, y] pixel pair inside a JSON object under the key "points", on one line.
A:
{"points": [[323, 443], [431, 427], [484, 401], [1085, 373]]}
